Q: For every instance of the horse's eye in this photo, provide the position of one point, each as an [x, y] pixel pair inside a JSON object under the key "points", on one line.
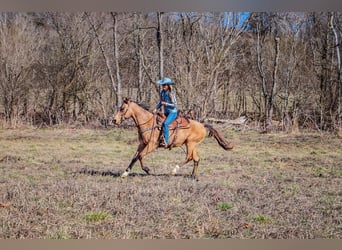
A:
{"points": [[121, 109]]}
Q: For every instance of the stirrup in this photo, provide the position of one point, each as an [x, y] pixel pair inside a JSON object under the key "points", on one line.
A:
{"points": [[162, 143]]}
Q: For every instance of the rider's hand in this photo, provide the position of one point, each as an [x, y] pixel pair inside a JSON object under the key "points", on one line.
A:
{"points": [[163, 103]]}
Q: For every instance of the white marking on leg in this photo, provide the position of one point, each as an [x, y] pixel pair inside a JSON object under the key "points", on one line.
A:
{"points": [[125, 174], [174, 171]]}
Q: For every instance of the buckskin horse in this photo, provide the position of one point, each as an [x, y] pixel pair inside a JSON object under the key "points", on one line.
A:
{"points": [[182, 131]]}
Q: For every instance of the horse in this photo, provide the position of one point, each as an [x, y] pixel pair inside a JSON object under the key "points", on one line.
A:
{"points": [[190, 135]]}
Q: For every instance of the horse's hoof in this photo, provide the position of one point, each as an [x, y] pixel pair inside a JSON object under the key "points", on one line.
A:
{"points": [[147, 170], [194, 177], [125, 174], [174, 171]]}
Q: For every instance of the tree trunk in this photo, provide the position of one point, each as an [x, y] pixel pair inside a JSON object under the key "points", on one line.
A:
{"points": [[263, 78], [160, 42], [274, 86], [338, 65], [116, 59]]}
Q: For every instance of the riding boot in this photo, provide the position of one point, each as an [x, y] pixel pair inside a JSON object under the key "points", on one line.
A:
{"points": [[161, 140], [162, 143]]}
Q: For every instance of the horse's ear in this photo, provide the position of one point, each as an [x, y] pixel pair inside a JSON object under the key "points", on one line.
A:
{"points": [[126, 100]]}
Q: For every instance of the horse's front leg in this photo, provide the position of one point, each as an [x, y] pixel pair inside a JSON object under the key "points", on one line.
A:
{"points": [[151, 146], [142, 151], [133, 161]]}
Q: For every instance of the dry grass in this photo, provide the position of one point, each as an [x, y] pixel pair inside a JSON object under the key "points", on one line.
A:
{"points": [[64, 184]]}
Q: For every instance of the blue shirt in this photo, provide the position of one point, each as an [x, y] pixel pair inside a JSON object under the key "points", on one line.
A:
{"points": [[171, 102]]}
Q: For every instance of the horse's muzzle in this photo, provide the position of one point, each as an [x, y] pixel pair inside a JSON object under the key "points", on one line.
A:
{"points": [[116, 122]]}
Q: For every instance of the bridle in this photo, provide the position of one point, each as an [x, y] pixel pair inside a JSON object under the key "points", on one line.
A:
{"points": [[123, 113]]}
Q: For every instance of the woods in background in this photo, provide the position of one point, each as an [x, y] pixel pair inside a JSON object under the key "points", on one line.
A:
{"points": [[275, 68]]}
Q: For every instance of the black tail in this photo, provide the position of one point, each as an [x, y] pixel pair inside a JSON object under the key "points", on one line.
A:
{"points": [[223, 143]]}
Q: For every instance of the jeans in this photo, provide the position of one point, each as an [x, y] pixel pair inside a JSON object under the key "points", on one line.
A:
{"points": [[169, 119]]}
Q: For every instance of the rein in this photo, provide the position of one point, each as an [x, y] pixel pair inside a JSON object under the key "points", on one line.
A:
{"points": [[146, 129], [141, 131]]}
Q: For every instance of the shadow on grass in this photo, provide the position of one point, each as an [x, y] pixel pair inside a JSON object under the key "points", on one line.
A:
{"points": [[118, 174]]}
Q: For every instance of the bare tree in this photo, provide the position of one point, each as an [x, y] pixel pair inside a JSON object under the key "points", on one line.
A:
{"points": [[160, 42], [19, 47], [338, 66], [116, 59], [103, 52], [268, 90], [66, 67]]}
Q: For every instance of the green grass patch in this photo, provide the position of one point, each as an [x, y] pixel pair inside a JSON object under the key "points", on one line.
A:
{"points": [[224, 206], [14, 175], [259, 218], [292, 189], [319, 171], [96, 216], [336, 172], [176, 200], [60, 235], [227, 183], [63, 204], [55, 167]]}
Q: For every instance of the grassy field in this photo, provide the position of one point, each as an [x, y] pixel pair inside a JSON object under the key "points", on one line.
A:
{"points": [[65, 184]]}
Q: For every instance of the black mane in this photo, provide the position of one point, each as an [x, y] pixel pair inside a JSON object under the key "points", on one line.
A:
{"points": [[144, 106]]}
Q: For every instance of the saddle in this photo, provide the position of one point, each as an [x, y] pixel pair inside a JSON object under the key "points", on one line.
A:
{"points": [[179, 122]]}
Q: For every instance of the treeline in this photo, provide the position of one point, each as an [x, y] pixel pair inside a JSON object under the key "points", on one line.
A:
{"points": [[278, 69]]}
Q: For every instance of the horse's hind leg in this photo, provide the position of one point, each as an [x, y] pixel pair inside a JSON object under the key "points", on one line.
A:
{"points": [[187, 159], [196, 160], [174, 171], [191, 155]]}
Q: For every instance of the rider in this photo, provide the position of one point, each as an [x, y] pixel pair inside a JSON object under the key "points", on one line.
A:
{"points": [[168, 100]]}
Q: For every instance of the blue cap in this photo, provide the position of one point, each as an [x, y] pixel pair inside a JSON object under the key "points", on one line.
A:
{"points": [[166, 80]]}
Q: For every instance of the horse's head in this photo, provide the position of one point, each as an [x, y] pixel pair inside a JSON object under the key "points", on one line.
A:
{"points": [[124, 112]]}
